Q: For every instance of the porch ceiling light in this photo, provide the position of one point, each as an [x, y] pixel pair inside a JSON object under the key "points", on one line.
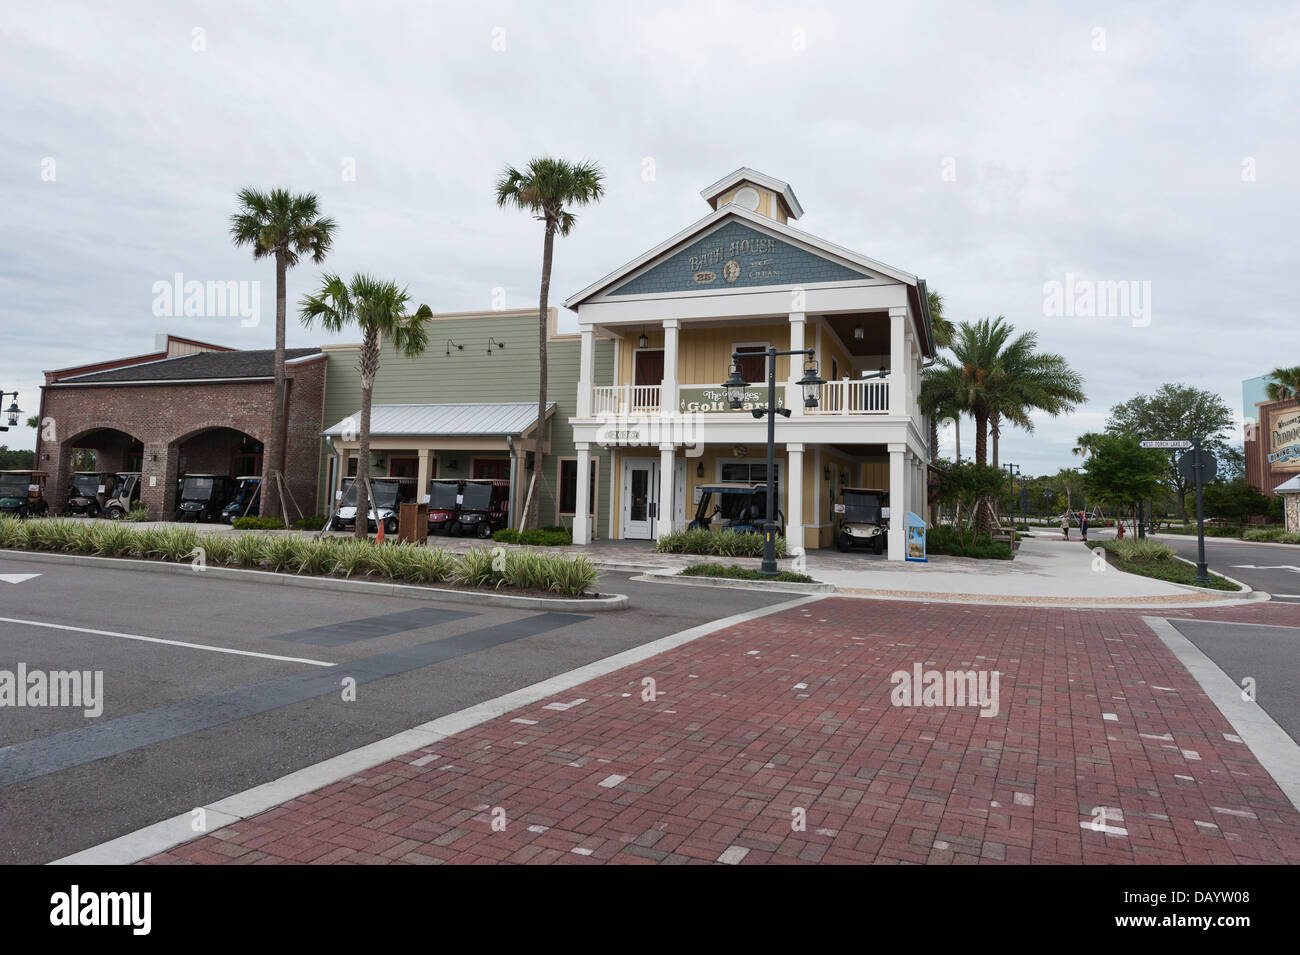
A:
{"points": [[735, 387], [13, 411], [810, 382], [858, 333], [643, 342]]}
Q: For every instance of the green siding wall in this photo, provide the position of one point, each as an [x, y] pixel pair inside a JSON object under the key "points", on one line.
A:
{"points": [[508, 374]]}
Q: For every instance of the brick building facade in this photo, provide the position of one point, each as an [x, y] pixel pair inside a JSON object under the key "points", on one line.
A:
{"points": [[189, 407]]}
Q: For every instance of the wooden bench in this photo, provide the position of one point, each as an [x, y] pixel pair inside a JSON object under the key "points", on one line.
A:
{"points": [[1006, 535]]}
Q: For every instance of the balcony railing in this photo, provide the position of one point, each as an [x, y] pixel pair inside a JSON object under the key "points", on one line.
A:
{"points": [[853, 396], [625, 400]]}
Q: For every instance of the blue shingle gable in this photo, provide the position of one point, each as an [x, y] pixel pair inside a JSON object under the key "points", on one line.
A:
{"points": [[754, 259]]}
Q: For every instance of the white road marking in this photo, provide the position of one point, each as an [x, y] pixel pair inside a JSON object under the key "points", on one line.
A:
{"points": [[170, 643], [17, 578]]}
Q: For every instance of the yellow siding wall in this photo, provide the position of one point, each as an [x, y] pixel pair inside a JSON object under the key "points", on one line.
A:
{"points": [[704, 354]]}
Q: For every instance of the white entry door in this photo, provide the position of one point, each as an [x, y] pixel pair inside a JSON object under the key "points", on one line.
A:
{"points": [[640, 498]]}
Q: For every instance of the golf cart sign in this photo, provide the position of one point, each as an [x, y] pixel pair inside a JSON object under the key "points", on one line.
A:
{"points": [[1167, 445], [710, 399]]}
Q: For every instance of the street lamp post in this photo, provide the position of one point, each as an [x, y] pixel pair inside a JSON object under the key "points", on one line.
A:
{"points": [[13, 411], [1012, 471], [735, 387]]}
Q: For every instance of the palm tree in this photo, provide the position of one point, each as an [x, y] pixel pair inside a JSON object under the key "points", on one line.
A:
{"points": [[1285, 384], [943, 331], [379, 311], [1086, 442], [993, 377], [548, 188], [287, 227]]}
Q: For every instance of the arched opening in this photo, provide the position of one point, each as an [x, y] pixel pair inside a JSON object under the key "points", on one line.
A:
{"points": [[221, 451], [103, 449]]}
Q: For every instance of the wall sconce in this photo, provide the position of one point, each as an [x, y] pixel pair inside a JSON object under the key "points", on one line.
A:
{"points": [[493, 341], [858, 333], [153, 457], [642, 342], [699, 470], [451, 344]]}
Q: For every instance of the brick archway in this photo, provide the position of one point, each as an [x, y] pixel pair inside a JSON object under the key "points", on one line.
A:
{"points": [[112, 445]]}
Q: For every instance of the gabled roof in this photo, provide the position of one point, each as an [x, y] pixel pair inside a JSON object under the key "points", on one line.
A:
{"points": [[1289, 486], [258, 363], [782, 189], [465, 419], [731, 210]]}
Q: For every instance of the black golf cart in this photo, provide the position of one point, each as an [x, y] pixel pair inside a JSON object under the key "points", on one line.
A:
{"points": [[482, 509], [246, 502], [739, 507], [860, 512], [202, 497], [90, 492]]}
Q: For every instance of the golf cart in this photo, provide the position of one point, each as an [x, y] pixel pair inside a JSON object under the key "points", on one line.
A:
{"points": [[89, 491], [246, 502], [444, 498], [21, 493], [740, 507], [202, 497], [389, 493], [126, 494], [861, 518], [482, 508]]}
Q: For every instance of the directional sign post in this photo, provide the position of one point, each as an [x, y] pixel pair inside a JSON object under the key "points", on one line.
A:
{"points": [[1203, 468]]}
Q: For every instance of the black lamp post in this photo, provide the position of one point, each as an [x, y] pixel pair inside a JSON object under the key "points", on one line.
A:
{"points": [[13, 411], [1012, 471], [735, 387]]}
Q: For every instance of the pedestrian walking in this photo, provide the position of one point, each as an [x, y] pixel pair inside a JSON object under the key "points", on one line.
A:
{"points": [[1083, 525], [1119, 529], [1065, 525]]}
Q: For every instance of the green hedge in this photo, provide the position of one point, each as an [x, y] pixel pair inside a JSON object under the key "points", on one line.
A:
{"points": [[334, 556], [725, 544], [545, 537], [257, 524], [1149, 558], [314, 523], [945, 540], [735, 572], [1270, 535]]}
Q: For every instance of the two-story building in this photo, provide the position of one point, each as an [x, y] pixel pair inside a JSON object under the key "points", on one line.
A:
{"points": [[738, 281]]}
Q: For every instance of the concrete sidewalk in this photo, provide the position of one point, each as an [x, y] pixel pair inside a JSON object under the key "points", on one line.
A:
{"points": [[779, 740]]}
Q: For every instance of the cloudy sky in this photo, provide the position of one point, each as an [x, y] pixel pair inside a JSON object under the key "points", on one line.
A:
{"points": [[989, 149]]}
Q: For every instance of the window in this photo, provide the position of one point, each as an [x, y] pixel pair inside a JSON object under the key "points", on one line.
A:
{"points": [[752, 362], [747, 472], [569, 486]]}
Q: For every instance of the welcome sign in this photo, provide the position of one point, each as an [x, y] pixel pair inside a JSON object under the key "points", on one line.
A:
{"points": [[1284, 440]]}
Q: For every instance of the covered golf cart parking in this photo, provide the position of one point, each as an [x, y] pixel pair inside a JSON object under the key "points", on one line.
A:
{"points": [[485, 440]]}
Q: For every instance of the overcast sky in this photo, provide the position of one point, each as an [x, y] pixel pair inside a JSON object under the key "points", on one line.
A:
{"points": [[989, 150]]}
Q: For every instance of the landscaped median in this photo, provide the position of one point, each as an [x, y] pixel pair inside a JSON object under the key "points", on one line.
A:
{"points": [[725, 544], [517, 571], [1150, 558]]}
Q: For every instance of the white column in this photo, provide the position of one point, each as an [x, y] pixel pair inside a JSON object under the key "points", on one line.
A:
{"points": [[581, 520], [897, 362], [794, 497], [665, 523], [794, 394], [897, 502], [668, 391], [586, 370]]}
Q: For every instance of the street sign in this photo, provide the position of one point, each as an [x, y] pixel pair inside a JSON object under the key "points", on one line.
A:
{"points": [[1168, 445], [1209, 467]]}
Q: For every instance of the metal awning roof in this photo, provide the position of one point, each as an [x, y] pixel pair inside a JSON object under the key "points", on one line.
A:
{"points": [[470, 418]]}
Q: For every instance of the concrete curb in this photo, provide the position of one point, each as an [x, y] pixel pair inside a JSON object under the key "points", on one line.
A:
{"points": [[490, 598], [816, 587], [1246, 589], [161, 836]]}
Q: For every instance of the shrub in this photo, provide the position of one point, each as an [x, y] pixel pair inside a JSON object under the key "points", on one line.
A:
{"points": [[735, 572], [546, 537], [313, 523], [947, 540], [573, 576], [475, 568], [112, 540], [1271, 535], [217, 548], [137, 514], [314, 557], [258, 524], [353, 557], [281, 553], [1140, 549], [246, 549], [725, 544]]}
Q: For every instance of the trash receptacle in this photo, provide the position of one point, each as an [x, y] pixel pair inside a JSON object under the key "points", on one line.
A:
{"points": [[413, 523]]}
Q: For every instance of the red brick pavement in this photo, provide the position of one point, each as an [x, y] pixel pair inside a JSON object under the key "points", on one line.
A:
{"points": [[792, 712]]}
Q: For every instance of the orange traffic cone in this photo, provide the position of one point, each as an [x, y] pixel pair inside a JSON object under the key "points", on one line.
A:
{"points": [[379, 537]]}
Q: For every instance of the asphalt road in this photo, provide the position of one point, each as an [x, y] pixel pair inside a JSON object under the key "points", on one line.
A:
{"points": [[182, 726], [1268, 655], [1272, 568]]}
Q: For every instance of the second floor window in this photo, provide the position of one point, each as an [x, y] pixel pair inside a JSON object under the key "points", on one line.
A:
{"points": [[752, 362]]}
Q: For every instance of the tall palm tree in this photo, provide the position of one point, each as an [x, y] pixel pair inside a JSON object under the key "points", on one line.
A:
{"points": [[378, 309], [1086, 442], [288, 227], [943, 331], [994, 377], [548, 188], [1285, 384]]}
